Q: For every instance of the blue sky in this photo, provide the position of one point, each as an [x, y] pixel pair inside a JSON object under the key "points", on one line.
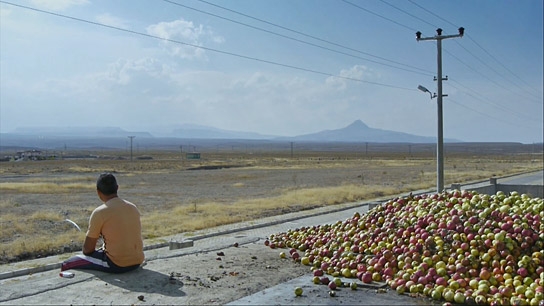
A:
{"points": [[277, 67]]}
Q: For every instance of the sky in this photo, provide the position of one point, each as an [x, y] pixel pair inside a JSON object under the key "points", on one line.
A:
{"points": [[274, 67]]}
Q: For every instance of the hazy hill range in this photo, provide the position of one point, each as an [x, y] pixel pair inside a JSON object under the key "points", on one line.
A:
{"points": [[354, 137], [357, 131]]}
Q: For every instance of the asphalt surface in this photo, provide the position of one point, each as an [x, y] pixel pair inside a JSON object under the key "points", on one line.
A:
{"points": [[30, 282]]}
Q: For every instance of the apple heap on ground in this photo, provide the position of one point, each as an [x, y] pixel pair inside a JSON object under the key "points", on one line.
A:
{"points": [[458, 246]]}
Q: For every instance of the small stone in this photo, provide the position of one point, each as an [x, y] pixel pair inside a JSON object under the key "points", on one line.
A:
{"points": [[140, 297]]}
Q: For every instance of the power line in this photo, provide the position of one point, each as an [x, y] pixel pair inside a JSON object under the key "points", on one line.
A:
{"points": [[464, 48], [458, 59], [409, 14], [207, 48], [307, 35], [501, 107], [484, 75], [381, 16], [499, 119], [484, 50], [504, 66], [430, 12], [302, 41]]}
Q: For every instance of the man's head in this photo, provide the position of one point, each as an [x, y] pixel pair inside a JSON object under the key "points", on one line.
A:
{"points": [[107, 184]]}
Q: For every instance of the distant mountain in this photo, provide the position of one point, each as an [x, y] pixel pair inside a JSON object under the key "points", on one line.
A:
{"points": [[358, 131], [355, 132]]}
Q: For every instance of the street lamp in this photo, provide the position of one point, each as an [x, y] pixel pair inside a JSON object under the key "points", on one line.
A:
{"points": [[426, 90]]}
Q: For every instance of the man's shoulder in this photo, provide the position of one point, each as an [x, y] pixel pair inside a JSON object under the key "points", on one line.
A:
{"points": [[114, 204], [129, 203], [99, 208]]}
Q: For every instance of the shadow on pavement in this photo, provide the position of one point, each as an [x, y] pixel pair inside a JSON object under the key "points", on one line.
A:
{"points": [[143, 280]]}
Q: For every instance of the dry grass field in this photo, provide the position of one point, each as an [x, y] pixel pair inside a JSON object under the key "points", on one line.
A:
{"points": [[175, 195]]}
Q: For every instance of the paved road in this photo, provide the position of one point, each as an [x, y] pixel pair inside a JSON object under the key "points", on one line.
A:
{"points": [[535, 178], [18, 287]]}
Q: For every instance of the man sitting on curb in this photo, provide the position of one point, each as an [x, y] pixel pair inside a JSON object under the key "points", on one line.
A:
{"points": [[118, 222]]}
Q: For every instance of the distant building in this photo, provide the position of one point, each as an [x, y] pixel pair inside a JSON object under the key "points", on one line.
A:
{"points": [[29, 155]]}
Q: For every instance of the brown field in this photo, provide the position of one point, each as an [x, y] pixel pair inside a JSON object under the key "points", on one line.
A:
{"points": [[177, 195]]}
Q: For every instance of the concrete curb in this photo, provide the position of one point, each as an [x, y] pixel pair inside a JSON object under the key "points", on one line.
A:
{"points": [[53, 266], [27, 271]]}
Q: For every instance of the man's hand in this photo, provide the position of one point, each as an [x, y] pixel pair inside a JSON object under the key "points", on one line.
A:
{"points": [[89, 245]]}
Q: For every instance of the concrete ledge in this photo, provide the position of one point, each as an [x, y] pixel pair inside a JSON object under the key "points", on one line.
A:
{"points": [[373, 205], [174, 245], [27, 271]]}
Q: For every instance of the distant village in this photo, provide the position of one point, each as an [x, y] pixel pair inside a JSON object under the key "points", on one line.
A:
{"points": [[29, 155], [36, 155]]}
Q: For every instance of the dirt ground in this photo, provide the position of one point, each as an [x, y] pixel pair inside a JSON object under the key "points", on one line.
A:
{"points": [[162, 184]]}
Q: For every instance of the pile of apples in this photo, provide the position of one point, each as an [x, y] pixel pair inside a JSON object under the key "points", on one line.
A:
{"points": [[457, 246]]}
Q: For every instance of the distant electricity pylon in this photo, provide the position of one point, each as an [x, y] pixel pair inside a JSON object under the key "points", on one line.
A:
{"points": [[440, 139]]}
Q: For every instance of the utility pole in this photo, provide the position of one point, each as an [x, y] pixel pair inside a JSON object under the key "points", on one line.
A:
{"points": [[440, 140], [131, 138], [291, 149]]}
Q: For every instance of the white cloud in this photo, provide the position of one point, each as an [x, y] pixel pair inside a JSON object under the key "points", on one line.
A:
{"points": [[189, 36], [58, 5], [122, 71], [357, 72], [111, 20]]}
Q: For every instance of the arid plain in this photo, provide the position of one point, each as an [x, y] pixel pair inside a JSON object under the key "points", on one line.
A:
{"points": [[178, 195]]}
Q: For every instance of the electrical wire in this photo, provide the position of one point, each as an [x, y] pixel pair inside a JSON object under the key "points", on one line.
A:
{"points": [[530, 99], [485, 76], [485, 51], [305, 42], [381, 16], [485, 114], [504, 66], [432, 13], [206, 48], [478, 97], [407, 13], [308, 35]]}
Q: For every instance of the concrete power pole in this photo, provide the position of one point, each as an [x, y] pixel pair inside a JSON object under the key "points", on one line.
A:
{"points": [[440, 140], [291, 149], [131, 138]]}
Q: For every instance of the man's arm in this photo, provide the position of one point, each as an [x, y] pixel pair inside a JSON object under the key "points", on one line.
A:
{"points": [[90, 245]]}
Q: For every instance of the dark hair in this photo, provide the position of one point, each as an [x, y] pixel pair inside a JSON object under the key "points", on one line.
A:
{"points": [[107, 184]]}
